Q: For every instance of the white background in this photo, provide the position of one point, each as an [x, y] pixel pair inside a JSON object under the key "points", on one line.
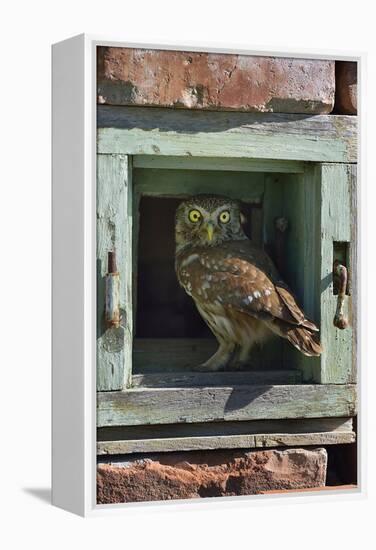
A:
{"points": [[27, 31]]}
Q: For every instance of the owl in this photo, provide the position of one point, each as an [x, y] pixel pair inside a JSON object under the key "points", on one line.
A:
{"points": [[234, 284]]}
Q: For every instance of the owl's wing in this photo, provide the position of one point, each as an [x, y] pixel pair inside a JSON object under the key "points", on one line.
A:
{"points": [[236, 282]]}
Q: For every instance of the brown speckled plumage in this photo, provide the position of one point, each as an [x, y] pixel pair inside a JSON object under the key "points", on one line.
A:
{"points": [[234, 284]]}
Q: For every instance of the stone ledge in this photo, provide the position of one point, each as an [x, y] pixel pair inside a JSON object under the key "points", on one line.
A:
{"points": [[194, 80], [168, 476]]}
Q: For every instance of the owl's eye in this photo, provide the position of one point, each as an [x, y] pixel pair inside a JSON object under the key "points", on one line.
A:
{"points": [[194, 216], [224, 217]]}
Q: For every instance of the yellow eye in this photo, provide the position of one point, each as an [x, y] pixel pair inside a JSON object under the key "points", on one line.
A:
{"points": [[224, 217], [194, 216]]}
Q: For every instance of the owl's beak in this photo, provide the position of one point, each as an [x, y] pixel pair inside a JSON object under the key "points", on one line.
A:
{"points": [[210, 231]]}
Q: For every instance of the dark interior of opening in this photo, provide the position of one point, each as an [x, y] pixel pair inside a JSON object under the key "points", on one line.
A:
{"points": [[164, 310], [169, 334]]}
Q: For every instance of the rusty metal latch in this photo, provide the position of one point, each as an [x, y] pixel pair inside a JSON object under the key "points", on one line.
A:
{"points": [[340, 274], [112, 305]]}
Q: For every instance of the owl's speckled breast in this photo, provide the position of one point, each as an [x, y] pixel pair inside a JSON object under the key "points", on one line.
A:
{"points": [[234, 284]]}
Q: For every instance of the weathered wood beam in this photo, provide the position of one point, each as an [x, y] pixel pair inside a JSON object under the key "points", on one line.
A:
{"points": [[227, 435], [171, 405], [114, 195], [219, 163], [222, 442], [296, 426], [337, 219], [181, 183], [197, 379], [145, 131]]}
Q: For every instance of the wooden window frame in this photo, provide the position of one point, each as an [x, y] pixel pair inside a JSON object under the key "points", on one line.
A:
{"points": [[323, 150]]}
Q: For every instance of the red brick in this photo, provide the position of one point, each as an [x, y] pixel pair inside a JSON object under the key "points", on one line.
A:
{"points": [[214, 81], [210, 473]]}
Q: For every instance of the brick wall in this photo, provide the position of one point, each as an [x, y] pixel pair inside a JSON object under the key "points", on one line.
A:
{"points": [[209, 81]]}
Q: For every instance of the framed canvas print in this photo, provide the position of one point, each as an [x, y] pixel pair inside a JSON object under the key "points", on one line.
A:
{"points": [[204, 274]]}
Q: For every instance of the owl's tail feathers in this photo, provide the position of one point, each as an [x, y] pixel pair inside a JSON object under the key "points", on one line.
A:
{"points": [[300, 337], [303, 340]]}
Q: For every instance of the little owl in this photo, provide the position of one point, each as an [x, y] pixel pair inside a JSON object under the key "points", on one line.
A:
{"points": [[234, 284]]}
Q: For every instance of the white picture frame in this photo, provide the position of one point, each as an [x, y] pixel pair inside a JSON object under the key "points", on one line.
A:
{"points": [[74, 279]]}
